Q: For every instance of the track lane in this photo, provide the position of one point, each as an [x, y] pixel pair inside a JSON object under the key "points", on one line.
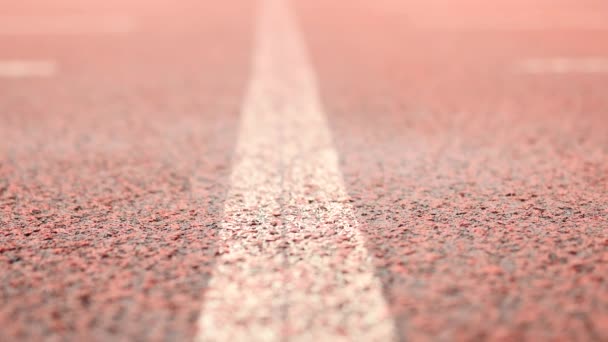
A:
{"points": [[294, 258], [113, 173], [480, 189]]}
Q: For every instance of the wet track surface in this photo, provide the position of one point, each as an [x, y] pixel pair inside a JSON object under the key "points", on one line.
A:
{"points": [[479, 188]]}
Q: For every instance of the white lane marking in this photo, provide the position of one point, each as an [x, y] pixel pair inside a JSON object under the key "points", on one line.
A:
{"points": [[293, 264], [66, 24], [564, 65], [27, 68], [488, 15]]}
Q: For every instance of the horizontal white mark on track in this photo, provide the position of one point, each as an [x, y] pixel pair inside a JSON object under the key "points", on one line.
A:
{"points": [[294, 265], [564, 65], [66, 24], [27, 68]]}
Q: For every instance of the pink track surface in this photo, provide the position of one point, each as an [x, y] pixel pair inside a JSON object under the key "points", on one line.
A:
{"points": [[482, 191], [112, 176]]}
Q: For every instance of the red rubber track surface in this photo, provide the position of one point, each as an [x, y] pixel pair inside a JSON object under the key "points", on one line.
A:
{"points": [[482, 191], [113, 172]]}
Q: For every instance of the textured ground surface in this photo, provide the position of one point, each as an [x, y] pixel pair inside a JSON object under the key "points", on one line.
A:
{"points": [[480, 189], [113, 174], [483, 190]]}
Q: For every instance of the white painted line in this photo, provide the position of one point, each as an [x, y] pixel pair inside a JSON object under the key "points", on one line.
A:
{"points": [[66, 25], [27, 68], [293, 264], [564, 66], [524, 17]]}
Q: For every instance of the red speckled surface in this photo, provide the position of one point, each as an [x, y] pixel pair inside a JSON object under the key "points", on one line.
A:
{"points": [[482, 192], [113, 173]]}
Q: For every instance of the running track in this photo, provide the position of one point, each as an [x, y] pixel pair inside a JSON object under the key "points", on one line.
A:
{"points": [[298, 170]]}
